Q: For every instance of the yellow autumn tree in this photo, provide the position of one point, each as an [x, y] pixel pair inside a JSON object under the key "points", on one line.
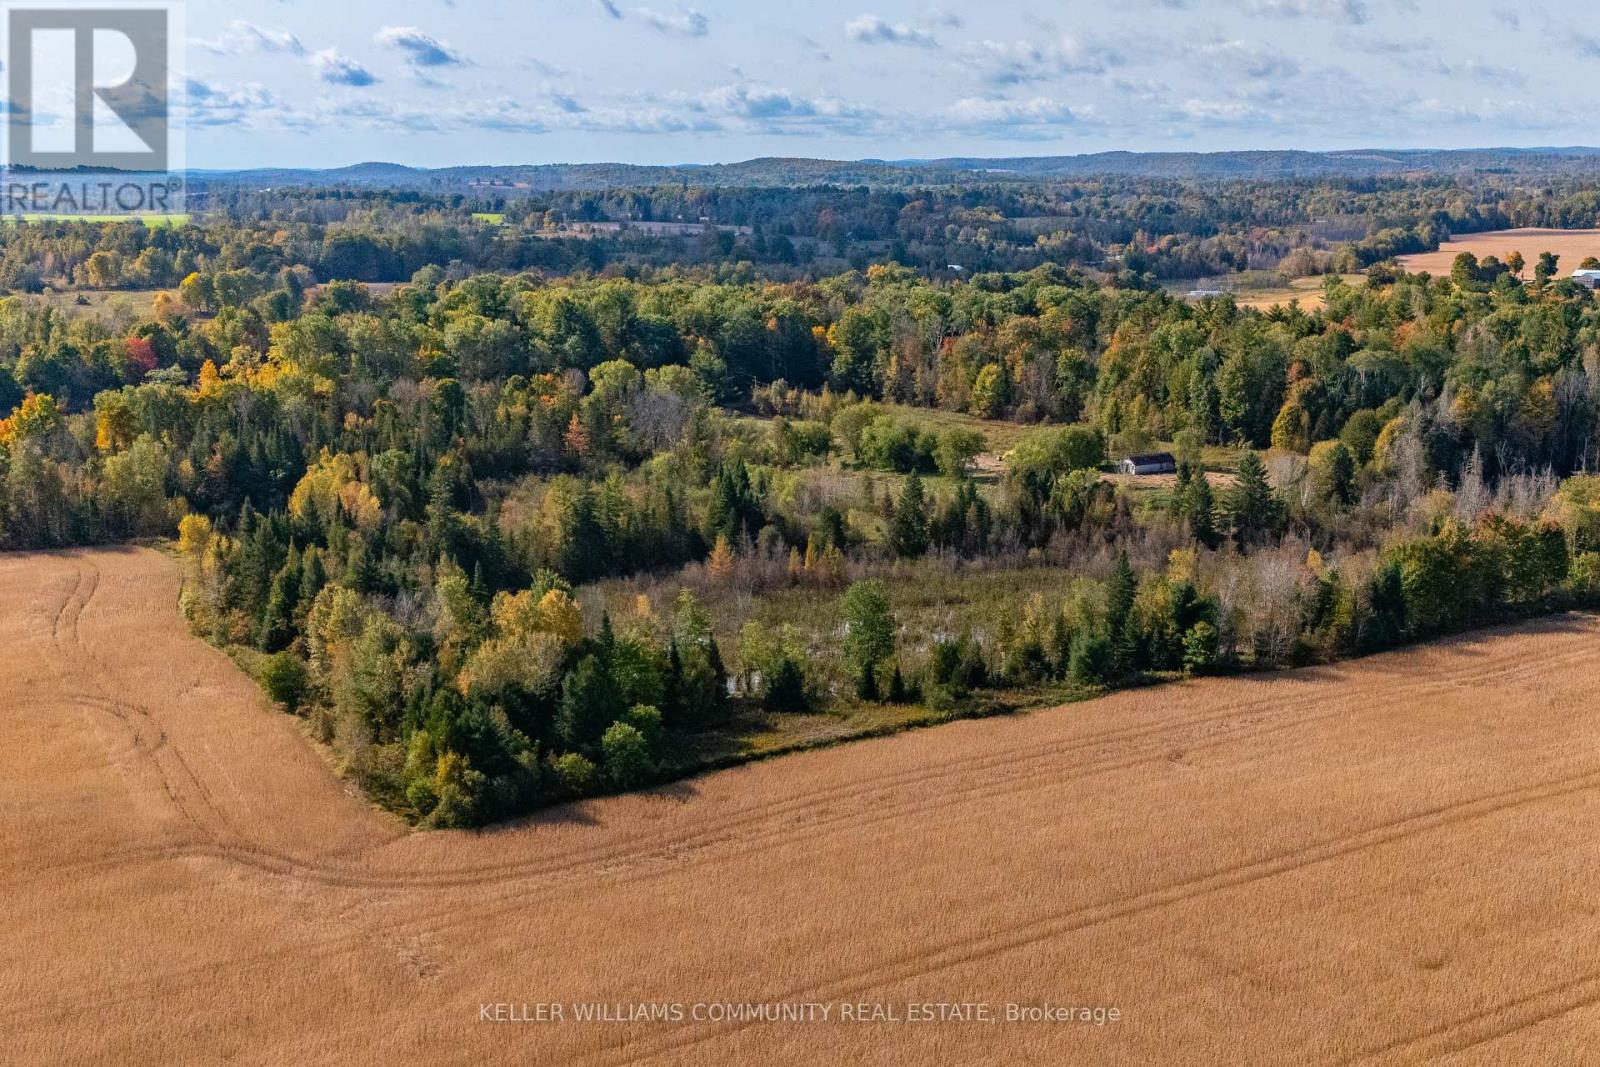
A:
{"points": [[194, 535], [210, 383], [528, 647], [115, 424], [166, 305], [37, 417], [336, 481], [720, 564]]}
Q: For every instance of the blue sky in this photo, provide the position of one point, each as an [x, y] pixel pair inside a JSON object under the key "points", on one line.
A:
{"points": [[433, 82]]}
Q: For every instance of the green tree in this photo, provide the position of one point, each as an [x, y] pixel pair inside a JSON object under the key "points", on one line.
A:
{"points": [[1200, 648], [1333, 473], [285, 679], [786, 687], [908, 527], [590, 701], [625, 756], [869, 632], [1545, 269], [1200, 508], [955, 451], [1255, 510], [991, 391], [1121, 588]]}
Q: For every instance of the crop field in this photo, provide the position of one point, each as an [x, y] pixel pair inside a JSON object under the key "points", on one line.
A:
{"points": [[1390, 860], [1571, 245]]}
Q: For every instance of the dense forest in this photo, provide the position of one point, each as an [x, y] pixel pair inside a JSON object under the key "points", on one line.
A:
{"points": [[509, 532], [1138, 230]]}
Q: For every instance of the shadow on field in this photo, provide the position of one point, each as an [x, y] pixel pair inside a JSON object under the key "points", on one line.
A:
{"points": [[581, 812]]}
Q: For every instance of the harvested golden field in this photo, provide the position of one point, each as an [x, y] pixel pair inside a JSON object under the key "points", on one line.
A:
{"points": [[1391, 860], [1571, 245]]}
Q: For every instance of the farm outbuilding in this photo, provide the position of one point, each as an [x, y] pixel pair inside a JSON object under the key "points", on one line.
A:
{"points": [[1586, 278], [1149, 463]]}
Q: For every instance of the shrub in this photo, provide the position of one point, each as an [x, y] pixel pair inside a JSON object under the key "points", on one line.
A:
{"points": [[1585, 577], [647, 720], [955, 451], [1090, 661], [626, 756], [575, 773], [284, 677], [1200, 649], [786, 687]]}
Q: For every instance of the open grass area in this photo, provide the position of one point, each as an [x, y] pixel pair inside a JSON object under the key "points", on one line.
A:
{"points": [[105, 304], [153, 221], [1265, 291], [1001, 436]]}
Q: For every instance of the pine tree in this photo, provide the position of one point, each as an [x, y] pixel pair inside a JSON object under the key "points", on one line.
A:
{"points": [[908, 529], [590, 702], [276, 628], [1200, 508], [583, 540], [1121, 589], [1256, 511]]}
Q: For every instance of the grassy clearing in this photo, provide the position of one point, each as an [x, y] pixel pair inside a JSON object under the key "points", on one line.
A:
{"points": [[492, 218], [105, 304], [1265, 290], [152, 221], [1001, 435]]}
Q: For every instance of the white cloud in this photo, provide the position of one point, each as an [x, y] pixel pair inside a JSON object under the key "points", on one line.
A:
{"points": [[241, 37], [1022, 62], [816, 49], [1223, 111], [335, 67], [1352, 11], [207, 105], [421, 49], [870, 29], [686, 22], [1039, 111], [778, 109], [1232, 58]]}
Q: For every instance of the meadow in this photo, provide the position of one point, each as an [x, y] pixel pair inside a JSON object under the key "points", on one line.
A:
{"points": [[155, 221], [1197, 875]]}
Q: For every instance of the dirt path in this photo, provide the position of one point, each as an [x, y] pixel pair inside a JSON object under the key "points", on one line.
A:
{"points": [[1388, 861]]}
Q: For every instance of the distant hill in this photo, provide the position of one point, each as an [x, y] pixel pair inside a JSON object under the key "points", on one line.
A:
{"points": [[1272, 164], [779, 171]]}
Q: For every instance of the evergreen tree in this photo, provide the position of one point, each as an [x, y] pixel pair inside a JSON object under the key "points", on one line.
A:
{"points": [[583, 539], [276, 628], [1256, 511], [1121, 589], [1200, 508], [590, 701], [908, 529], [786, 689]]}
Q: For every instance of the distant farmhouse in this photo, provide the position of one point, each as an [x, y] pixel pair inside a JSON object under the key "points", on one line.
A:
{"points": [[1149, 463], [1586, 278]]}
